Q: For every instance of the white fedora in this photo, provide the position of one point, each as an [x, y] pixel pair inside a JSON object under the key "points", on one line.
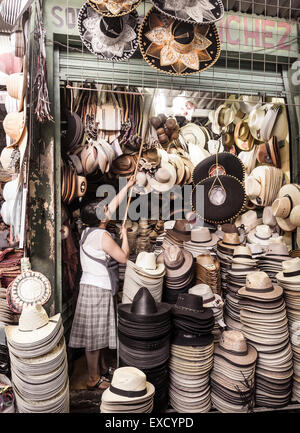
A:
{"points": [[249, 220], [202, 237], [147, 263], [288, 198], [261, 235], [290, 271], [164, 179], [210, 299]]}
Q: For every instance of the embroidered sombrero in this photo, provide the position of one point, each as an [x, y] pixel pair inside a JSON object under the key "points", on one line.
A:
{"points": [[192, 11], [176, 47], [29, 288], [113, 39], [114, 8]]}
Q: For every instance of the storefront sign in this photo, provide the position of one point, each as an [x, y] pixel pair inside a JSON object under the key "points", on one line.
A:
{"points": [[238, 32]]}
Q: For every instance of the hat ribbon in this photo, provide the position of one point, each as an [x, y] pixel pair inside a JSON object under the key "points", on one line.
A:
{"points": [[267, 290], [291, 274], [174, 229], [124, 393], [291, 202], [207, 301], [202, 242], [228, 243], [176, 267], [261, 238], [242, 256], [234, 352]]}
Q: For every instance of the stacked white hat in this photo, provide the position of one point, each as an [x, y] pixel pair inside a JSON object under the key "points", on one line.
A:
{"points": [[145, 272], [289, 279], [262, 235], [271, 261], [202, 240], [129, 392], [242, 263], [213, 301], [39, 362], [265, 325]]}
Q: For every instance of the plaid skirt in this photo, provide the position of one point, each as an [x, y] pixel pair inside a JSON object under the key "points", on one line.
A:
{"points": [[94, 325]]}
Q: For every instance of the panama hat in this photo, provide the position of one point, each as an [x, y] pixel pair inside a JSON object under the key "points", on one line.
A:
{"points": [[176, 260], [234, 348], [176, 47], [164, 178], [256, 118], [202, 237], [114, 8], [147, 263], [248, 220], [288, 198], [142, 185], [262, 235], [227, 164], [291, 271], [113, 39], [259, 286], [210, 299]]}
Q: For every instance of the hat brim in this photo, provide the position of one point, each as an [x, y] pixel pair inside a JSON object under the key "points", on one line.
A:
{"points": [[101, 9], [276, 293], [232, 165], [152, 52]]}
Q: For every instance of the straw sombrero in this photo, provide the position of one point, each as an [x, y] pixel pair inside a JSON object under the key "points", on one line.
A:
{"points": [[176, 47]]}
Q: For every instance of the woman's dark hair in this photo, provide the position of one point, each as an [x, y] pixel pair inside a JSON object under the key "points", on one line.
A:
{"points": [[89, 213]]}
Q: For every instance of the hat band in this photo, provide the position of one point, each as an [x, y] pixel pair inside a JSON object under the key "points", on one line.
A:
{"points": [[242, 256], [261, 238], [228, 243], [201, 242], [181, 232], [31, 330], [177, 266], [206, 301], [291, 274], [124, 393], [234, 352], [267, 290]]}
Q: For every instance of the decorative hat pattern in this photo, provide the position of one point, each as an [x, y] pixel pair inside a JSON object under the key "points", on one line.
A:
{"points": [[114, 8]]}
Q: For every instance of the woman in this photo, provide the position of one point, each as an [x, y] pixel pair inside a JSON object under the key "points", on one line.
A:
{"points": [[94, 326]]}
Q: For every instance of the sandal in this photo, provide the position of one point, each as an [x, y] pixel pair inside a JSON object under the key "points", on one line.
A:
{"points": [[101, 381], [109, 373]]}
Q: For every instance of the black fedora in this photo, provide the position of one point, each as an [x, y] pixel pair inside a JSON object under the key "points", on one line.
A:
{"points": [[227, 164], [191, 306], [144, 309], [223, 199], [182, 338]]}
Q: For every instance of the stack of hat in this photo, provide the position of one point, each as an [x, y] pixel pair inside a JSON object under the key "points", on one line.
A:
{"points": [[225, 250], [271, 261], [72, 185], [6, 315], [129, 392], [233, 375], [10, 265], [286, 207], [179, 234], [263, 185], [132, 233], [39, 362], [265, 325], [262, 235], [191, 355], [144, 332], [208, 272], [257, 251], [202, 240], [242, 264], [213, 301], [143, 239], [145, 272], [157, 230], [289, 279], [179, 272]]}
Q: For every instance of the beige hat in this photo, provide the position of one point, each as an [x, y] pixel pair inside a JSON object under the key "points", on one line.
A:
{"points": [[295, 216], [248, 102], [290, 271], [202, 237], [288, 198], [6, 157], [259, 285], [177, 261], [256, 118], [242, 254], [147, 263], [164, 179], [15, 85], [192, 133], [249, 220], [262, 235], [14, 125], [268, 217], [210, 299], [142, 185], [234, 348], [128, 384]]}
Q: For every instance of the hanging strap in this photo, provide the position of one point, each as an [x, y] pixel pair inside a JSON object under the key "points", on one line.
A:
{"points": [[84, 237]]}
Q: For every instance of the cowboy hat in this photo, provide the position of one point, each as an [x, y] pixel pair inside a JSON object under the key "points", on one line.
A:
{"points": [[176, 260], [142, 185], [147, 263], [263, 185], [234, 348], [259, 286], [210, 299], [274, 124], [114, 8], [288, 198], [248, 102], [255, 121], [180, 230], [268, 217], [192, 133], [176, 47], [14, 126], [113, 39], [16, 87]]}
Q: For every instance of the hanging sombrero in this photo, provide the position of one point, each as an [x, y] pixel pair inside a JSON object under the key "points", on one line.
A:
{"points": [[227, 164], [114, 8], [192, 11], [217, 205], [27, 289], [176, 47], [114, 39]]}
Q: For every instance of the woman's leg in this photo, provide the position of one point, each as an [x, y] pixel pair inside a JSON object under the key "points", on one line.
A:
{"points": [[103, 366], [92, 359]]}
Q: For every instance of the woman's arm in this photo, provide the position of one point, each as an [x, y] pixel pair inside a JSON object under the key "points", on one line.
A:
{"points": [[115, 203], [110, 247]]}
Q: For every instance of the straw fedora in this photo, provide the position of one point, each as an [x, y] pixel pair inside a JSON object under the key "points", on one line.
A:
{"points": [[180, 230], [34, 327], [177, 261], [242, 136], [114, 8], [202, 237], [14, 126], [210, 299], [249, 220], [256, 118], [274, 124], [224, 115], [164, 178], [290, 271], [147, 263], [288, 198], [229, 241], [259, 286], [268, 153], [175, 47], [262, 235], [128, 384], [234, 348]]}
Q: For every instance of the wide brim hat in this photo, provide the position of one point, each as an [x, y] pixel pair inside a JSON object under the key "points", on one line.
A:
{"points": [[269, 153], [163, 310], [11, 122], [203, 12], [232, 202], [292, 191], [252, 238], [114, 48], [200, 52], [192, 133], [238, 359], [185, 267], [110, 397], [205, 244], [114, 8], [28, 288], [163, 186], [159, 271], [274, 293], [242, 137], [228, 164]]}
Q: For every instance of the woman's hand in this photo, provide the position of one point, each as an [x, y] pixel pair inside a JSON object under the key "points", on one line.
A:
{"points": [[131, 182]]}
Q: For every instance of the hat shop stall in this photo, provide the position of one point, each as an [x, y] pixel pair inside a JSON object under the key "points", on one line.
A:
{"points": [[184, 96]]}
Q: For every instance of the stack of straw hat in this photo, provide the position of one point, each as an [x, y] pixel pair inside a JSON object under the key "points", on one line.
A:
{"points": [[233, 374], [242, 264], [157, 230], [225, 250], [208, 272], [289, 279], [39, 362], [129, 392], [145, 272], [144, 339], [265, 325], [4, 354], [202, 241], [191, 355], [6, 315], [271, 261], [179, 234], [213, 301], [179, 272]]}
